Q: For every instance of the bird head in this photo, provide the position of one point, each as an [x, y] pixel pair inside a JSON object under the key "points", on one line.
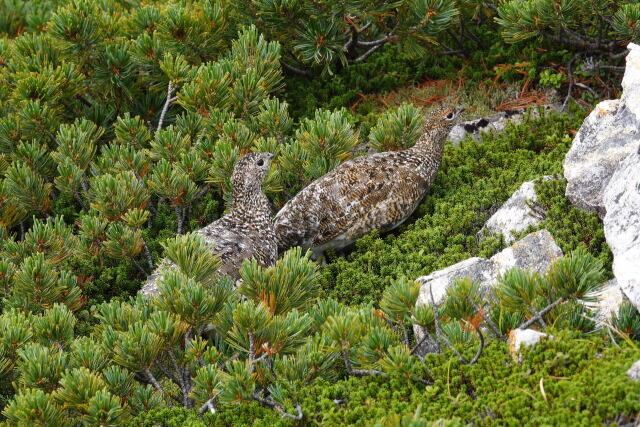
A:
{"points": [[250, 171], [444, 116], [437, 126]]}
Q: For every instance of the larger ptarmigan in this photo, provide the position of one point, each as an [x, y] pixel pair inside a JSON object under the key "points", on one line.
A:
{"points": [[247, 231], [377, 191]]}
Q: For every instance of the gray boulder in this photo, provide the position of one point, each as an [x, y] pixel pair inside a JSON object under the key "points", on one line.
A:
{"points": [[608, 135], [602, 169], [535, 252], [516, 214], [622, 225], [495, 122]]}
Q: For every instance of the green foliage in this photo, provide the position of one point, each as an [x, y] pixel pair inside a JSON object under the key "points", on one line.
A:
{"points": [[120, 124], [321, 36]]}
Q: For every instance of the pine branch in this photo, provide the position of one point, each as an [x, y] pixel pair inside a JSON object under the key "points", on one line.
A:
{"points": [[153, 380], [446, 340], [209, 404], [295, 69], [538, 315], [278, 407], [166, 106], [358, 372]]}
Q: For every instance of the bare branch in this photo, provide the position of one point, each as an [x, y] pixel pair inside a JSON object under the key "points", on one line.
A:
{"points": [[378, 42], [367, 54], [427, 336], [570, 76], [538, 315], [439, 333], [296, 70], [166, 106], [480, 348], [358, 372], [209, 404], [278, 407], [153, 380]]}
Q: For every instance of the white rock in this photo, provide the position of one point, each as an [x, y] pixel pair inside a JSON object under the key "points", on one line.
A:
{"points": [[519, 338], [478, 269], [634, 371], [603, 174], [622, 225], [534, 252], [515, 215], [608, 135], [495, 123]]}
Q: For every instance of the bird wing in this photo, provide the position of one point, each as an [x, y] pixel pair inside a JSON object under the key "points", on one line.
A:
{"points": [[373, 193], [231, 243]]}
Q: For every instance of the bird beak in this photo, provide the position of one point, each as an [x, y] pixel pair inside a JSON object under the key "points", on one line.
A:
{"points": [[271, 156], [459, 110]]}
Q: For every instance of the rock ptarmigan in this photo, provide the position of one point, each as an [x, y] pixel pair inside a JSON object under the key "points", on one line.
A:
{"points": [[376, 191], [245, 232]]}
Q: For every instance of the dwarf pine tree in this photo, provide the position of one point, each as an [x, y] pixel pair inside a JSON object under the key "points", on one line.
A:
{"points": [[590, 27]]}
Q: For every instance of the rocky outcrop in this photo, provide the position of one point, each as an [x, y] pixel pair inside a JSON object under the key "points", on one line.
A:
{"points": [[516, 214], [495, 122], [535, 252], [622, 225], [602, 169]]}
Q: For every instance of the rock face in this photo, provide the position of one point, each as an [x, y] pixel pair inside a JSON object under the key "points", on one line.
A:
{"points": [[634, 372], [516, 214], [602, 170], [622, 225], [536, 252], [496, 123]]}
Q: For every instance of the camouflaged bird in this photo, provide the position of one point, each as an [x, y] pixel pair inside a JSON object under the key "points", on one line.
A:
{"points": [[247, 230], [377, 191]]}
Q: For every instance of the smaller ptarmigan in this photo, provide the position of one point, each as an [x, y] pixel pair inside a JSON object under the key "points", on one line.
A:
{"points": [[377, 191], [247, 231]]}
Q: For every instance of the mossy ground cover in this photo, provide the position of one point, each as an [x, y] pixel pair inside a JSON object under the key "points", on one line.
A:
{"points": [[568, 380]]}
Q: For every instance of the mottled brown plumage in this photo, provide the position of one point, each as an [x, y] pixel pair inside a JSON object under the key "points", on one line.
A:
{"points": [[245, 232], [377, 191]]}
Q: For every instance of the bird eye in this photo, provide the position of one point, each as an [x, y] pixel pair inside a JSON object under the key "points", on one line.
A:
{"points": [[260, 162], [449, 116]]}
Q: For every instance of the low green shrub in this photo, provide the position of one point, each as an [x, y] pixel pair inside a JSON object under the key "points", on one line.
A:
{"points": [[566, 380]]}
